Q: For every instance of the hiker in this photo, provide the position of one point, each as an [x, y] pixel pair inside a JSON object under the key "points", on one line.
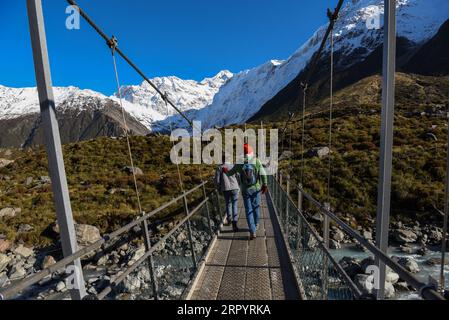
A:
{"points": [[229, 187], [254, 182]]}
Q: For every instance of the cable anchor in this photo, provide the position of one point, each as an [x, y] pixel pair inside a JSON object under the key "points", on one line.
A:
{"points": [[112, 43]]}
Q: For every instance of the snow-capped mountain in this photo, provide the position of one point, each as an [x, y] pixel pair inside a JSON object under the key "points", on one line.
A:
{"points": [[234, 98], [185, 94], [243, 96]]}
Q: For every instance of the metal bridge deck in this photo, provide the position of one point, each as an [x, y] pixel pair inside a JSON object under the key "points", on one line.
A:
{"points": [[239, 269]]}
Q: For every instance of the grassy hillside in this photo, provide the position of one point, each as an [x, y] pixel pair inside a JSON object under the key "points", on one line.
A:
{"points": [[420, 142], [102, 193]]}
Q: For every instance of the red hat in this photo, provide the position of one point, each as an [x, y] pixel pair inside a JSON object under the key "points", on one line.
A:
{"points": [[248, 150]]}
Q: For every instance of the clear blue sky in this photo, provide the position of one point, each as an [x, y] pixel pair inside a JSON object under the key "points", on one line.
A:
{"points": [[191, 39]]}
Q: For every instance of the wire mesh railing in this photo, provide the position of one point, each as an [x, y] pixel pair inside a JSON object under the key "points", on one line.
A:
{"points": [[163, 269], [319, 275]]}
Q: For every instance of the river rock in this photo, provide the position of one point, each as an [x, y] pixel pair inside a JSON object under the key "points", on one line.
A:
{"points": [[436, 261], [9, 212], [131, 284], [137, 255], [48, 262], [5, 245], [409, 264], [17, 272], [368, 235], [351, 266], [335, 245], [4, 261], [435, 235], [23, 251], [86, 234], [338, 235], [60, 287], [3, 279], [405, 236], [406, 249]]}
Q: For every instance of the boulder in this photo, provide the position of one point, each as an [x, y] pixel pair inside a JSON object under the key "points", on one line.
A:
{"points": [[3, 279], [131, 284], [23, 251], [86, 234], [435, 235], [338, 235], [5, 162], [406, 249], [409, 264], [5, 245], [4, 261], [9, 212], [405, 236], [351, 266], [436, 261], [48, 262], [367, 235], [28, 181], [319, 152], [45, 179], [60, 287], [17, 272], [137, 255], [129, 170], [334, 244], [25, 228]]}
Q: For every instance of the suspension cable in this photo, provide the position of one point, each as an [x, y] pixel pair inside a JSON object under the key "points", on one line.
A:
{"points": [[128, 60], [181, 184], [331, 109], [304, 95], [314, 62], [445, 224], [114, 62]]}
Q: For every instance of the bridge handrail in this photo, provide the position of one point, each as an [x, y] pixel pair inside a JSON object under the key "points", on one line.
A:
{"points": [[355, 290], [18, 287], [426, 291]]}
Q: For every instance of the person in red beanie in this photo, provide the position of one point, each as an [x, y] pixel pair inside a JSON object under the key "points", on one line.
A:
{"points": [[254, 182]]}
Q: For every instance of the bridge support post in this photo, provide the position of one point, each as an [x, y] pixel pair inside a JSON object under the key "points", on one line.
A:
{"points": [[189, 231], [147, 239], [386, 140], [53, 144], [287, 207], [326, 244], [300, 206]]}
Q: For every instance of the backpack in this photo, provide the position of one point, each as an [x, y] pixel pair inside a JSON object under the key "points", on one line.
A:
{"points": [[249, 174]]}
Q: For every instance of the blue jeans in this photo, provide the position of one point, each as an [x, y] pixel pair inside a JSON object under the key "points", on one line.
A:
{"points": [[231, 198], [252, 207]]}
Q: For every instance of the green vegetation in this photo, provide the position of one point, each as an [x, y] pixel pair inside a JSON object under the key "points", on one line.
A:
{"points": [[102, 193], [420, 142]]}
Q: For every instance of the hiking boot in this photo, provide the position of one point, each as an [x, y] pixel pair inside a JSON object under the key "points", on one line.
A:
{"points": [[227, 222], [235, 228], [252, 236]]}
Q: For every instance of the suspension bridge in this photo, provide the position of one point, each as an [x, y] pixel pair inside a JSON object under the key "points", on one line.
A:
{"points": [[289, 259]]}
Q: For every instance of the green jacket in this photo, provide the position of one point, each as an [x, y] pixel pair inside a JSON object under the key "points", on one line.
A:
{"points": [[260, 170]]}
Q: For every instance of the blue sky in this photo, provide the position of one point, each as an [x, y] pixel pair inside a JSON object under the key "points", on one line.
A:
{"points": [[191, 39]]}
